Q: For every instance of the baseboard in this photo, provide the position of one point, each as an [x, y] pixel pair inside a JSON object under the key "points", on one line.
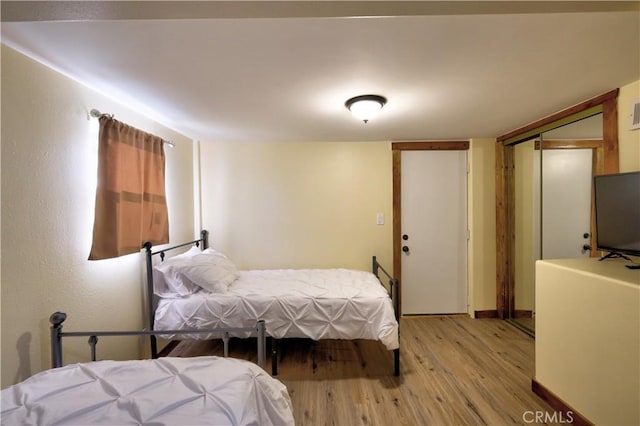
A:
{"points": [[490, 313], [493, 313], [568, 414]]}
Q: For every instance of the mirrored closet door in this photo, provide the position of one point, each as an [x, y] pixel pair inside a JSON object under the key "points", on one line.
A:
{"points": [[526, 240], [552, 205], [544, 201]]}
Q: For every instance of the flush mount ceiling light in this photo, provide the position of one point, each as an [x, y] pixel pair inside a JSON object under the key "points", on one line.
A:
{"points": [[365, 106]]}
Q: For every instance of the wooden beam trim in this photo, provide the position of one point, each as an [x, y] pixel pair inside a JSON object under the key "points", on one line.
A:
{"points": [[397, 223], [511, 279], [590, 103], [610, 136], [501, 231], [434, 145]]}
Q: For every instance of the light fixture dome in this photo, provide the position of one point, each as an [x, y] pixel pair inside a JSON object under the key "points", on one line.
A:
{"points": [[365, 106]]}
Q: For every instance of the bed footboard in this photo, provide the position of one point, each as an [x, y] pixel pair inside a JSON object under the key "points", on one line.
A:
{"points": [[393, 294], [57, 318]]}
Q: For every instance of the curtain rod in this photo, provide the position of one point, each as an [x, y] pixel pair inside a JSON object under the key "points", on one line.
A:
{"points": [[97, 114]]}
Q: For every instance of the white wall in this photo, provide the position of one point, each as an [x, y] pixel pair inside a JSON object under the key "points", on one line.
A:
{"points": [[482, 225], [298, 205], [629, 140], [49, 160]]}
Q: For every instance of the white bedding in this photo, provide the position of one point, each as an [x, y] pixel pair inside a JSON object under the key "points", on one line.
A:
{"points": [[176, 391], [311, 303]]}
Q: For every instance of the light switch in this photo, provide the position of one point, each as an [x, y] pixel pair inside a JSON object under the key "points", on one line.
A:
{"points": [[380, 219]]}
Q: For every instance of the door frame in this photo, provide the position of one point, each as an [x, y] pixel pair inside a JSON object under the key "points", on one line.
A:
{"points": [[605, 104], [396, 149]]}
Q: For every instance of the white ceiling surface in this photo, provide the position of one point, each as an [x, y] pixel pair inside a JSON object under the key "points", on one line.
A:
{"points": [[446, 76]]}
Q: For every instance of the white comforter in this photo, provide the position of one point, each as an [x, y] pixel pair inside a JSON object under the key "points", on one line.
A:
{"points": [[311, 303], [176, 391]]}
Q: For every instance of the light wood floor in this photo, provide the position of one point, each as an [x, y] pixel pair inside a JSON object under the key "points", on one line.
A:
{"points": [[454, 371]]}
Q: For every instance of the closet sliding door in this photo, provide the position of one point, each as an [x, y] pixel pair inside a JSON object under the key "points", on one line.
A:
{"points": [[544, 201]]}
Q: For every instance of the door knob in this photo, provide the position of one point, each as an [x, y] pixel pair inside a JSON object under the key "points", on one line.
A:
{"points": [[405, 249], [405, 237], [586, 247], [585, 235]]}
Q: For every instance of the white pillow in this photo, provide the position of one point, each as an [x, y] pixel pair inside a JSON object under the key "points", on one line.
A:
{"points": [[210, 270], [167, 280]]}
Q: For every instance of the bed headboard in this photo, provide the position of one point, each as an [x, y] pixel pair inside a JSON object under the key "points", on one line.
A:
{"points": [[202, 242]]}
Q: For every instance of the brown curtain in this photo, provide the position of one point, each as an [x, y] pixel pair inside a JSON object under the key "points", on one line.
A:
{"points": [[131, 206]]}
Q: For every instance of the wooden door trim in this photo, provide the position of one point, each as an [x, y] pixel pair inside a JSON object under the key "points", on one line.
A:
{"points": [[610, 164], [396, 151]]}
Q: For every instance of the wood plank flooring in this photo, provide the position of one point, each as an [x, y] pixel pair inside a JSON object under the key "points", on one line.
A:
{"points": [[454, 371]]}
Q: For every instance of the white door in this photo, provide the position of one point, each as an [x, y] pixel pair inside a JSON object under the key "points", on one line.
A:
{"points": [[434, 232], [566, 202]]}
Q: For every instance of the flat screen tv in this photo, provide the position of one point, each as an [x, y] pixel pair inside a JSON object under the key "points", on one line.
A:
{"points": [[617, 208]]}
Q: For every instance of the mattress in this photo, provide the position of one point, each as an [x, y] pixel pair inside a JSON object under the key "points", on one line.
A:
{"points": [[172, 391], [308, 303]]}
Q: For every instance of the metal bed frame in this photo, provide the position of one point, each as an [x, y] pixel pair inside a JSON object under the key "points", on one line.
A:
{"points": [[151, 297], [202, 242], [57, 318], [393, 294]]}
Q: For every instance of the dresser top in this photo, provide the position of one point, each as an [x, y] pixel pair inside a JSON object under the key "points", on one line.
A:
{"points": [[610, 268]]}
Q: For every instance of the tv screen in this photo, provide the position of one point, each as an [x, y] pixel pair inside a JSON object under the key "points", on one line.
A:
{"points": [[617, 206]]}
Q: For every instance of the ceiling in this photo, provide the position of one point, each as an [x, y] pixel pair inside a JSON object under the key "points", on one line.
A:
{"points": [[281, 71]]}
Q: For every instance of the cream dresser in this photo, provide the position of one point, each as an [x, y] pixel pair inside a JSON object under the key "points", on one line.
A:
{"points": [[588, 337]]}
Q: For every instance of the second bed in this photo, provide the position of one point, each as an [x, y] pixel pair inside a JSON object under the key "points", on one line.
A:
{"points": [[202, 289]]}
